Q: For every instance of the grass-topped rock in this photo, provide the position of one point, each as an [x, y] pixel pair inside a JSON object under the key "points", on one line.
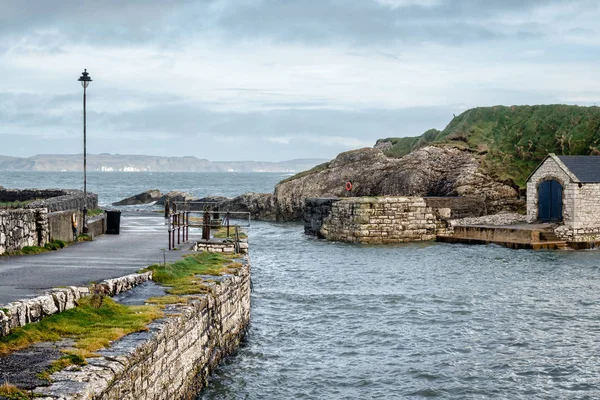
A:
{"points": [[511, 141]]}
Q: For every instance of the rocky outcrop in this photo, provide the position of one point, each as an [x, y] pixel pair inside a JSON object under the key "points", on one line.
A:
{"points": [[146, 197], [260, 205], [175, 196], [429, 171]]}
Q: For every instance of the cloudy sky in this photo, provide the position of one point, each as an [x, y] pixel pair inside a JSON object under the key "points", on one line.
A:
{"points": [[279, 79]]}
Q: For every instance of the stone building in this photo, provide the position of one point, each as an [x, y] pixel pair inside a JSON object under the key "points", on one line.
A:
{"points": [[566, 190]]}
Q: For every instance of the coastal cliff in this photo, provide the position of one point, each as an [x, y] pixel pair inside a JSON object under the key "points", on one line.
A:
{"points": [[429, 171]]}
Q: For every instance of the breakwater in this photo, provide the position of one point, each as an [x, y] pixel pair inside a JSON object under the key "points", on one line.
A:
{"points": [[375, 219], [174, 358]]}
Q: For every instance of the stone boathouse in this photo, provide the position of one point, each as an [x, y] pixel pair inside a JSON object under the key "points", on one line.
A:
{"points": [[566, 190]]}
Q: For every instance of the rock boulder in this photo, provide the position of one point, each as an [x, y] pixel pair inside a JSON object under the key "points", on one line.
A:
{"points": [[143, 198], [260, 205], [175, 196]]}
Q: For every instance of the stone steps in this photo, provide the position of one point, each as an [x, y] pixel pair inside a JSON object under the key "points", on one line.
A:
{"points": [[519, 236]]}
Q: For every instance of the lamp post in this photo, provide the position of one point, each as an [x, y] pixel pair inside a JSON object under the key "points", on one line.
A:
{"points": [[85, 82]]}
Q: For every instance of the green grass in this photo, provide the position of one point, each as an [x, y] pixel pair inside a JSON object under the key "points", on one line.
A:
{"points": [[94, 212], [221, 233], [70, 358], [170, 299], [180, 276], [28, 250], [313, 170], [14, 204], [512, 141], [14, 393], [92, 328], [84, 237]]}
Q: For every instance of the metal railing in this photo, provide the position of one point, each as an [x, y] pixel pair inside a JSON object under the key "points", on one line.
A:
{"points": [[179, 224]]}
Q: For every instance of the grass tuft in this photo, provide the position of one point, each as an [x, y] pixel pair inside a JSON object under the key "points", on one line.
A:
{"points": [[94, 212], [50, 246], [221, 233], [12, 392], [14, 204], [70, 358], [92, 328], [181, 276]]}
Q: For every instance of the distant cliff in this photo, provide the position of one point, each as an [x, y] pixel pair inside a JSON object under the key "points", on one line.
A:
{"points": [[135, 163]]}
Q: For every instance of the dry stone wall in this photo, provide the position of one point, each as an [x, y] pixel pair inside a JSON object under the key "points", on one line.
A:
{"points": [[45, 218], [171, 361], [384, 220], [51, 199], [20, 228]]}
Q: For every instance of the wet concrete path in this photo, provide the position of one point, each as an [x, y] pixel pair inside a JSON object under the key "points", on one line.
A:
{"points": [[142, 241]]}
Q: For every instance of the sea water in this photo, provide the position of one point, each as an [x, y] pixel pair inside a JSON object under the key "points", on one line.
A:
{"points": [[422, 320]]}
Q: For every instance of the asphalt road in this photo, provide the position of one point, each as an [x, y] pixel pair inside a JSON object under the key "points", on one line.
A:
{"points": [[142, 241]]}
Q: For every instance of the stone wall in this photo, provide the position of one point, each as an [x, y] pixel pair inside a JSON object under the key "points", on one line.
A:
{"points": [[174, 358], [52, 199], [585, 222], [384, 220], [60, 225], [97, 225], [315, 211], [71, 201], [11, 195], [43, 219], [20, 228], [220, 247], [581, 202], [461, 207]]}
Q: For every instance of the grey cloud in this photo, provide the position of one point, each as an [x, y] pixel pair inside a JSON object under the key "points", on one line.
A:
{"points": [[361, 22], [175, 127]]}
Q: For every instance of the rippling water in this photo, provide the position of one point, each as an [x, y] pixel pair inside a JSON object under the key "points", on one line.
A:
{"points": [[114, 186], [335, 321]]}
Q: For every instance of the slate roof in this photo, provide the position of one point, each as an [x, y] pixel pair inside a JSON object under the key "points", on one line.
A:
{"points": [[585, 168]]}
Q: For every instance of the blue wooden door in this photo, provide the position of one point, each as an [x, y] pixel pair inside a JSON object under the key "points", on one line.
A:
{"points": [[550, 201]]}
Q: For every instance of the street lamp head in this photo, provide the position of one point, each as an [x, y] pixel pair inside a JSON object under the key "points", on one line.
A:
{"points": [[85, 78]]}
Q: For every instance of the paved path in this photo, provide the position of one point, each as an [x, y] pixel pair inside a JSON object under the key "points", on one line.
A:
{"points": [[142, 242]]}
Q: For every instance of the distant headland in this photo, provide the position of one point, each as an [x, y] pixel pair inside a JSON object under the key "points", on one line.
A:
{"points": [[141, 163]]}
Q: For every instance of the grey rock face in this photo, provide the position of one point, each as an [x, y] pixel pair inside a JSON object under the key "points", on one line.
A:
{"points": [[430, 171], [175, 196], [143, 198], [259, 205]]}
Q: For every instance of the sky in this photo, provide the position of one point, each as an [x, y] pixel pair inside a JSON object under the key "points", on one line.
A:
{"points": [[275, 80]]}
